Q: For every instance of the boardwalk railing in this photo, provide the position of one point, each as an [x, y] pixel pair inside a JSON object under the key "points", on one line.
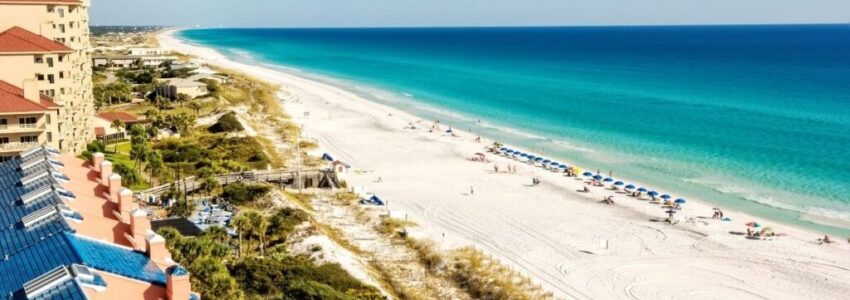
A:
{"points": [[307, 179]]}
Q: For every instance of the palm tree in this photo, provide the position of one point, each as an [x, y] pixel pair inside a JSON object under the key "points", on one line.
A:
{"points": [[118, 125], [262, 228], [253, 226], [241, 224], [195, 106], [218, 234], [154, 165]]}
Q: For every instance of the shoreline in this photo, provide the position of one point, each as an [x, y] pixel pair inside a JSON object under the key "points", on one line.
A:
{"points": [[523, 226]]}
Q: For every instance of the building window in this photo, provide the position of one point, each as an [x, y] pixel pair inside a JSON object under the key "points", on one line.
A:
{"points": [[47, 118], [49, 137], [61, 75], [51, 79], [29, 139], [61, 58], [50, 62], [29, 122], [62, 91], [3, 124], [61, 12], [5, 158], [4, 140], [40, 77], [39, 59]]}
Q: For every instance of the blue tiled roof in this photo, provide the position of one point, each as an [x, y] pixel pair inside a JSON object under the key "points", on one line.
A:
{"points": [[13, 236], [66, 249], [116, 260], [68, 290]]}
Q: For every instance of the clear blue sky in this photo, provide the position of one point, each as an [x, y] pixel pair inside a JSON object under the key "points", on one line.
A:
{"points": [[394, 13]]}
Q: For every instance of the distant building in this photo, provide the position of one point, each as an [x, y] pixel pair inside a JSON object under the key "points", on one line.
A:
{"points": [[115, 61], [149, 51], [170, 88], [156, 61], [103, 125]]}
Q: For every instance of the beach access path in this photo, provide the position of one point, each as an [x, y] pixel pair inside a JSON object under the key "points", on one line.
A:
{"points": [[564, 240]]}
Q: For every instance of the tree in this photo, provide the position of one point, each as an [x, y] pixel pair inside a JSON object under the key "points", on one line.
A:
{"points": [[129, 176], [119, 126], [241, 224], [218, 234], [183, 98], [155, 164], [195, 106], [253, 220], [227, 123], [209, 184]]}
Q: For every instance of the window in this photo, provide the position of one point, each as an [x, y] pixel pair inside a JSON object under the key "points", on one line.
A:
{"points": [[49, 137], [61, 75], [4, 140], [50, 62], [47, 118], [29, 139], [3, 124], [5, 158], [62, 91], [51, 79], [61, 12], [29, 122], [39, 59], [40, 77], [61, 58]]}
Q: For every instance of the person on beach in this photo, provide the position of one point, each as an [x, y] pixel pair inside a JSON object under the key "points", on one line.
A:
{"points": [[380, 179], [749, 232], [496, 168], [471, 191]]}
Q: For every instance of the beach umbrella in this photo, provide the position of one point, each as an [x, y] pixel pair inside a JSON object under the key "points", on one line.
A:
{"points": [[504, 149], [666, 196], [681, 201], [653, 193], [327, 157], [609, 179], [546, 161], [538, 159], [563, 166], [554, 163], [619, 183], [509, 151], [753, 224], [642, 190], [587, 174], [630, 187], [597, 177]]}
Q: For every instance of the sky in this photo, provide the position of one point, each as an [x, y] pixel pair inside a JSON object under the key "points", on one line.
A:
{"points": [[441, 13]]}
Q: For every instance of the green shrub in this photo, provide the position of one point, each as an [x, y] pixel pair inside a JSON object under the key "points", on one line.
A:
{"points": [[227, 123], [240, 193]]}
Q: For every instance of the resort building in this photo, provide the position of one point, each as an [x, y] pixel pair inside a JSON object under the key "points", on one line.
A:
{"points": [[104, 129], [171, 88], [71, 231], [46, 41], [27, 119]]}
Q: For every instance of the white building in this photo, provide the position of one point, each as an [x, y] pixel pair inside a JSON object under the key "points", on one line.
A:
{"points": [[149, 51]]}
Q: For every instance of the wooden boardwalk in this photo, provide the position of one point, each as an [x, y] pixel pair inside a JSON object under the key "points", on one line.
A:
{"points": [[287, 178]]}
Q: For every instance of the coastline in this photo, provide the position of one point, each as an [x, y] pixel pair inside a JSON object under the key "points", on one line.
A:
{"points": [[549, 232]]}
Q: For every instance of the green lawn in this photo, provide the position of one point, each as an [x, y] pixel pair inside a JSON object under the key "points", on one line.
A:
{"points": [[122, 156]]}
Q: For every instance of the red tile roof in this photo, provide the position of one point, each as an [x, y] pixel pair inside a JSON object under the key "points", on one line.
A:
{"points": [[17, 39], [99, 131], [118, 115], [12, 100]]}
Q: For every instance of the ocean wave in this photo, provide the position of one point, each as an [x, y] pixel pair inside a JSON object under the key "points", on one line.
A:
{"points": [[408, 95], [750, 194]]}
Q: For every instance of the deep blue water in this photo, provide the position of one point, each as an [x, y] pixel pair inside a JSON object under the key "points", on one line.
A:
{"points": [[752, 117]]}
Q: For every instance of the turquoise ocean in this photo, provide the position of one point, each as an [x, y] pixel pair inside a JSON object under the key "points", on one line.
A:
{"points": [[754, 118]]}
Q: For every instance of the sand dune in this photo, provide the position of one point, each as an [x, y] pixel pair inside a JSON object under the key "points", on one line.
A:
{"points": [[550, 232]]}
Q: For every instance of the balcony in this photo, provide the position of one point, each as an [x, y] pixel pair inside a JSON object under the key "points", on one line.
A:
{"points": [[22, 128], [17, 147]]}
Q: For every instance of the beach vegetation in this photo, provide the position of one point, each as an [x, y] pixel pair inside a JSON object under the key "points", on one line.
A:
{"points": [[240, 193], [227, 123]]}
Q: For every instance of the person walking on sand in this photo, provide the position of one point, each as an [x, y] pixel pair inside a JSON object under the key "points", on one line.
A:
{"points": [[496, 168], [380, 179], [471, 191]]}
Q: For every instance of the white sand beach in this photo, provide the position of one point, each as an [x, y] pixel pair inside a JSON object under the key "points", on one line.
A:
{"points": [[550, 232]]}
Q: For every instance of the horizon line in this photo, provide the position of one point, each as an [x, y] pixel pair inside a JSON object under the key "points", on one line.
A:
{"points": [[474, 26]]}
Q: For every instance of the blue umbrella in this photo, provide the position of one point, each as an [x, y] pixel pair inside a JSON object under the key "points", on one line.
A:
{"points": [[609, 179], [587, 174], [538, 159], [546, 161], [524, 155], [504, 149], [563, 166], [619, 183], [642, 190], [554, 163], [653, 193], [327, 157], [630, 187], [597, 177], [681, 201], [509, 151], [665, 196]]}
